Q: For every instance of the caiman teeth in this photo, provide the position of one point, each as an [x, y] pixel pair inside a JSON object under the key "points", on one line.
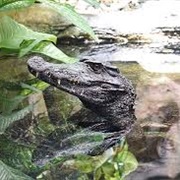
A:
{"points": [[75, 81], [59, 81]]}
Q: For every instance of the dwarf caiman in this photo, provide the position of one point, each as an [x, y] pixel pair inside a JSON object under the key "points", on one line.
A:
{"points": [[101, 88]]}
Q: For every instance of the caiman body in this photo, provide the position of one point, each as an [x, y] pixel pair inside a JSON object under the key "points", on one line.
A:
{"points": [[101, 88]]}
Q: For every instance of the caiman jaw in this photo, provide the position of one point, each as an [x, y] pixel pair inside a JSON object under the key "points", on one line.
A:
{"points": [[93, 83]]}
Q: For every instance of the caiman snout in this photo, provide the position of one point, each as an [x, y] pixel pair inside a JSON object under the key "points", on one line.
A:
{"points": [[36, 65]]}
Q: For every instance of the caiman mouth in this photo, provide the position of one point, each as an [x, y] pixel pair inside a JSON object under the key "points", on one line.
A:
{"points": [[73, 82], [32, 71], [68, 83]]}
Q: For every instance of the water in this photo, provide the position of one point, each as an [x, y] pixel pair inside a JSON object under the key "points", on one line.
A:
{"points": [[154, 69]]}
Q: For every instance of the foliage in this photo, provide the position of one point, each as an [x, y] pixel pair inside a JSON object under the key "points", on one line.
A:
{"points": [[94, 3], [16, 38], [14, 4], [16, 155], [19, 38], [12, 35], [8, 105], [9, 114], [13, 154], [6, 120], [68, 12], [11, 174], [112, 165], [52, 51]]}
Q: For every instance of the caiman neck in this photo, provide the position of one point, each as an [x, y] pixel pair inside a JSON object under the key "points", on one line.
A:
{"points": [[115, 111]]}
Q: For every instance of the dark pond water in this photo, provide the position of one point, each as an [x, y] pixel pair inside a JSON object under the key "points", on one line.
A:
{"points": [[153, 68]]}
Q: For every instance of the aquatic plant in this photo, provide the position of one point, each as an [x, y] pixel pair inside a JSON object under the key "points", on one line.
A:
{"points": [[114, 164], [16, 38]]}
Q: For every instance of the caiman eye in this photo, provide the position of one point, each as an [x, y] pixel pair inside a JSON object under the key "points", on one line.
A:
{"points": [[96, 67]]}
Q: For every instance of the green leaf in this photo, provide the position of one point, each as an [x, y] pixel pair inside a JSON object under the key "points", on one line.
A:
{"points": [[84, 163], [94, 3], [68, 12], [16, 36], [14, 4], [27, 86], [33, 85], [25, 49], [6, 120], [8, 173], [12, 35], [9, 104], [130, 162], [16, 155], [52, 51]]}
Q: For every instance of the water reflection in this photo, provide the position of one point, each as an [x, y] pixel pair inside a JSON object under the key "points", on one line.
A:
{"points": [[158, 115], [77, 130], [154, 139]]}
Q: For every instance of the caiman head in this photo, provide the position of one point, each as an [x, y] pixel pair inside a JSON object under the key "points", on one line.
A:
{"points": [[100, 86]]}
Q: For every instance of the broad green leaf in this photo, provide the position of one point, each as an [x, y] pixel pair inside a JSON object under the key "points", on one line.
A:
{"points": [[108, 154], [8, 173], [129, 160], [6, 120], [15, 36], [111, 165], [14, 4], [84, 163], [52, 51], [25, 49], [12, 34], [68, 12]]}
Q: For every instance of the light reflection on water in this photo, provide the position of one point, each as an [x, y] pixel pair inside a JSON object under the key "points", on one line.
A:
{"points": [[158, 22], [146, 18]]}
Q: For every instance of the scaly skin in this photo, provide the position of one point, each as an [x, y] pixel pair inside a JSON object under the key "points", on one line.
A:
{"points": [[100, 87]]}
